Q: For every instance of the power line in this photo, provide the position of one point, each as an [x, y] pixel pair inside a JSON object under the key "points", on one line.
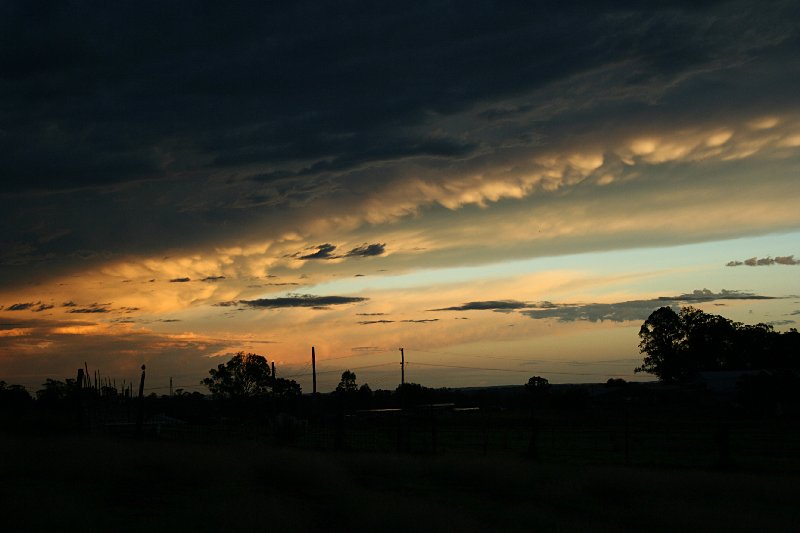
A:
{"points": [[375, 354], [526, 360], [529, 360], [341, 370], [510, 369], [469, 367]]}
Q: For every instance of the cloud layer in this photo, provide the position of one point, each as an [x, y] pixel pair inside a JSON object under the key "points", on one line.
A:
{"points": [[181, 168], [170, 157]]}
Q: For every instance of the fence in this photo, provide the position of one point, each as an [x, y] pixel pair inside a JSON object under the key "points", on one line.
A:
{"points": [[617, 440]]}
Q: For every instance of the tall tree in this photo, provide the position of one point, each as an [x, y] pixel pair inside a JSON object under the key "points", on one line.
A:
{"points": [[663, 339], [678, 345], [245, 375], [348, 384]]}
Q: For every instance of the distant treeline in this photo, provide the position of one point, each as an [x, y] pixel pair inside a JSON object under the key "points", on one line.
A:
{"points": [[677, 348]]}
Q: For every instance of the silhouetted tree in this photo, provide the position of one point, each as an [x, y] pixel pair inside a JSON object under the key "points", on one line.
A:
{"points": [[414, 393], [13, 396], [616, 383], [55, 391], [347, 385], [364, 395], [287, 388], [245, 375], [663, 340], [537, 386], [678, 345]]}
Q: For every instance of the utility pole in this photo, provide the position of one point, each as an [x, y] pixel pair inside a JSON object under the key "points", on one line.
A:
{"points": [[402, 368], [314, 370], [140, 415], [170, 386], [273, 371]]}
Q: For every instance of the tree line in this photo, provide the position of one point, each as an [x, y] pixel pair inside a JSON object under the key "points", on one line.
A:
{"points": [[679, 345], [676, 347]]}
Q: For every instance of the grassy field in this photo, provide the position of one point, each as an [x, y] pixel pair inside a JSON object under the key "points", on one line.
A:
{"points": [[98, 483]]}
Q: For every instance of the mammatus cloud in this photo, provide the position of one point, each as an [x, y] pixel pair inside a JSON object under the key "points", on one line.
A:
{"points": [[296, 300], [326, 251], [766, 261]]}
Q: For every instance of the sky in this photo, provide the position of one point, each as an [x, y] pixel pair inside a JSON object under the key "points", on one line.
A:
{"points": [[503, 189]]}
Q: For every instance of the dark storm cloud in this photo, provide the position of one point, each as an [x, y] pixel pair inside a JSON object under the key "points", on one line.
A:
{"points": [[36, 307], [300, 300], [491, 305], [135, 104], [367, 250], [89, 309], [324, 251], [766, 261], [97, 92], [213, 278], [634, 310], [180, 280], [20, 306]]}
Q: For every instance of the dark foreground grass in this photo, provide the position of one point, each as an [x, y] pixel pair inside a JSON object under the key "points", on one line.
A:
{"points": [[96, 483]]}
